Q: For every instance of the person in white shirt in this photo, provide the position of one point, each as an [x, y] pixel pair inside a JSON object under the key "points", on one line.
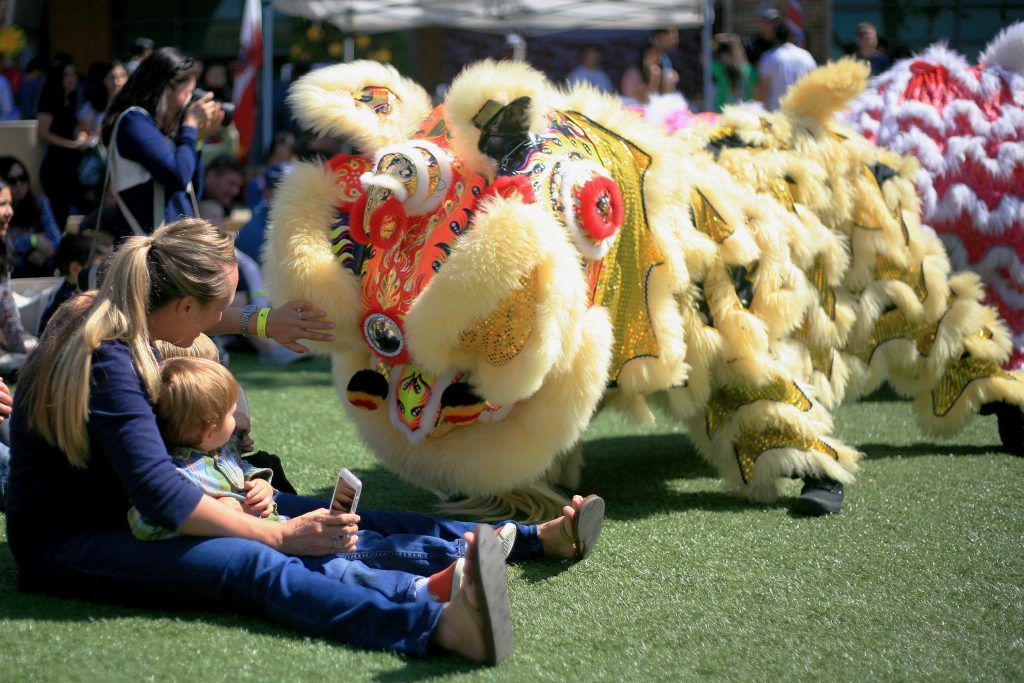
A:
{"points": [[781, 67], [590, 71]]}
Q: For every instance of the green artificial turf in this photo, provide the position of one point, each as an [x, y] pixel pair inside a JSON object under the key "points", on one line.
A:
{"points": [[919, 578]]}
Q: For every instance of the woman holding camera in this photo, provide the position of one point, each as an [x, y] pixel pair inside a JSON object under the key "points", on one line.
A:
{"points": [[152, 131]]}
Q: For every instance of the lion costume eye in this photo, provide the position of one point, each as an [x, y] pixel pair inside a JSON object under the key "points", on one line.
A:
{"points": [[592, 207], [409, 180], [418, 173]]}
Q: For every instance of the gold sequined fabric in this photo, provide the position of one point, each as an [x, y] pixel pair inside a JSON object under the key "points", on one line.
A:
{"points": [[886, 269], [750, 445], [781, 190], [707, 219], [728, 399], [401, 167], [958, 375], [626, 268], [894, 325], [820, 281], [501, 335]]}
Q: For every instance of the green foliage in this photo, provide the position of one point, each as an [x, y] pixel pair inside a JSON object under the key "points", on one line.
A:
{"points": [[919, 578]]}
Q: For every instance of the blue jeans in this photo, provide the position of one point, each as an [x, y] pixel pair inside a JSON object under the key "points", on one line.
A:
{"points": [[411, 542], [344, 598], [371, 609]]}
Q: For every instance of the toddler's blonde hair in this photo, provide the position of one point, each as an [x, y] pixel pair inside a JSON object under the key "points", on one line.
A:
{"points": [[195, 394]]}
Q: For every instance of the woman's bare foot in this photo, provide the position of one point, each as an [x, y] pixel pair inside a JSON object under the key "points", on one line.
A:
{"points": [[559, 535], [475, 624]]}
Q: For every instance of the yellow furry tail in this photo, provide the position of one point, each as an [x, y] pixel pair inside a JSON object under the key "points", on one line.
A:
{"points": [[827, 90]]}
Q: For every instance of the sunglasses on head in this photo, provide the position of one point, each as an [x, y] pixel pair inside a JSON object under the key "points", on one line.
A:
{"points": [[17, 178]]}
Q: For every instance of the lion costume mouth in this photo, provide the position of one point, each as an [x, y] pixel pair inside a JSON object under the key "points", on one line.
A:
{"points": [[419, 403]]}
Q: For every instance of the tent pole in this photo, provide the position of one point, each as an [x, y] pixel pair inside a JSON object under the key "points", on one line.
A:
{"points": [[705, 54], [267, 96]]}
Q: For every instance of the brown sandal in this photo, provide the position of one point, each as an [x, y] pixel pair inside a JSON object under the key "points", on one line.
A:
{"points": [[488, 570], [586, 525]]}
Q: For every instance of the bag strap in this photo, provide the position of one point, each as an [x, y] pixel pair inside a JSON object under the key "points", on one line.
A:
{"points": [[99, 217], [159, 194], [133, 223]]}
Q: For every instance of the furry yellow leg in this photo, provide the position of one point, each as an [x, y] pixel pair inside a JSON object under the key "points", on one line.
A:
{"points": [[760, 436]]}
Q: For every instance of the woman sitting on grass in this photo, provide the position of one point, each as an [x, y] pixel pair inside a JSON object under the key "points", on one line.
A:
{"points": [[84, 434], [196, 414]]}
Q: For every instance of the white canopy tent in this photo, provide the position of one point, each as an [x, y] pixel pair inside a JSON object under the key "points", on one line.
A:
{"points": [[547, 16], [368, 16]]}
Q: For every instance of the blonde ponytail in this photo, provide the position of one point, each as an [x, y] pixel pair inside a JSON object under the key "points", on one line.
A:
{"points": [[184, 258]]}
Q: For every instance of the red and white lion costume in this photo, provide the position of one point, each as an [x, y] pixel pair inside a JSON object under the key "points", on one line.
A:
{"points": [[965, 125]]}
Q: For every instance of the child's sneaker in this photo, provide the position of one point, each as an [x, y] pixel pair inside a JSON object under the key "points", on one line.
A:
{"points": [[444, 585], [507, 535]]}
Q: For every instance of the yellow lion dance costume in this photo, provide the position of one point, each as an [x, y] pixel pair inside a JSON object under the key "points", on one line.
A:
{"points": [[500, 265]]}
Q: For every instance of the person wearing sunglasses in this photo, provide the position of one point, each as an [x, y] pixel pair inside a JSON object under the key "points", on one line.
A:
{"points": [[33, 231]]}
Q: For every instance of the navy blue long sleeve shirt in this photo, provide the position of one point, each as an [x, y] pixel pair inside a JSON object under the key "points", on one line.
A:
{"points": [[49, 499], [172, 163]]}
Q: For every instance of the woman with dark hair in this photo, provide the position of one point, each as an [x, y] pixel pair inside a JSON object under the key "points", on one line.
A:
{"points": [[647, 78], [152, 131], [33, 232], [58, 130], [105, 80]]}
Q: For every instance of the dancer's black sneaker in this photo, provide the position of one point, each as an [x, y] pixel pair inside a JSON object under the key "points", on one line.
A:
{"points": [[1011, 425], [820, 497]]}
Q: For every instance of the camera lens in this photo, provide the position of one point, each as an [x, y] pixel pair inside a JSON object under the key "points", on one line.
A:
{"points": [[227, 107], [229, 110]]}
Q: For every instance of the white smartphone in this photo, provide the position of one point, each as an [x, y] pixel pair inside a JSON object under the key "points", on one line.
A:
{"points": [[346, 492]]}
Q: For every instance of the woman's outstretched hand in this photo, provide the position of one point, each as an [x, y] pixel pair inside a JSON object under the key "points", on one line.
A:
{"points": [[296, 320]]}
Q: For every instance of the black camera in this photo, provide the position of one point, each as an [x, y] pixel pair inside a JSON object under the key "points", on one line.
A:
{"points": [[227, 107]]}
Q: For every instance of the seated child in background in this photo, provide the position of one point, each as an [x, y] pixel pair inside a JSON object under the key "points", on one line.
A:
{"points": [[195, 410], [71, 257]]}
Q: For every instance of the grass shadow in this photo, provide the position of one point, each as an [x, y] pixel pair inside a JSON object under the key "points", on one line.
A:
{"points": [[384, 490], [251, 372], [915, 450], [653, 466], [883, 394], [636, 474]]}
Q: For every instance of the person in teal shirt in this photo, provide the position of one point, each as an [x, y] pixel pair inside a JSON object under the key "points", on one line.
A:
{"points": [[734, 76]]}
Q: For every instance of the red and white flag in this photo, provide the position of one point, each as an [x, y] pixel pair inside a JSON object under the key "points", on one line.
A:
{"points": [[795, 19], [250, 59]]}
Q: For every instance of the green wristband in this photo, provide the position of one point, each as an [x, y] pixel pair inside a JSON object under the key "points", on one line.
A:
{"points": [[261, 322]]}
